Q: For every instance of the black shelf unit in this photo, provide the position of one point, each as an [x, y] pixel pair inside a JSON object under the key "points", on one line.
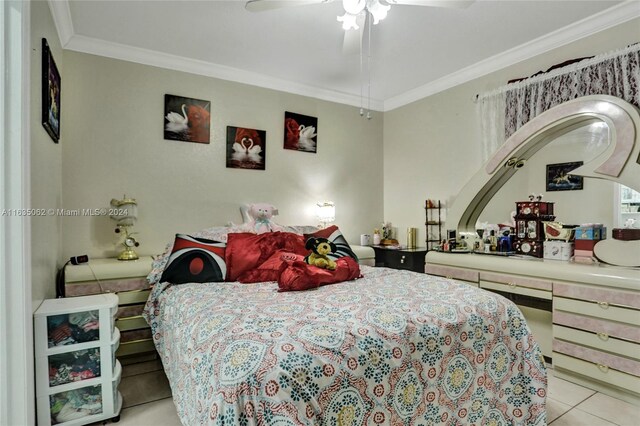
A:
{"points": [[433, 216]]}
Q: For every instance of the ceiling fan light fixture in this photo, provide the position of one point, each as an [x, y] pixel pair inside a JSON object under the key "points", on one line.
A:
{"points": [[354, 7], [377, 10], [349, 21]]}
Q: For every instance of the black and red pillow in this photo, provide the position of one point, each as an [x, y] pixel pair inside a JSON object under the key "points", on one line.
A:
{"points": [[334, 235], [195, 260]]}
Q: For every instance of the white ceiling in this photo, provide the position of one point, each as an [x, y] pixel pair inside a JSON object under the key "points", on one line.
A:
{"points": [[416, 51]]}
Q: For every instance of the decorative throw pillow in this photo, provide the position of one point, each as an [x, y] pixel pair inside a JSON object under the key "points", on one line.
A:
{"points": [[297, 275], [334, 235], [248, 251], [195, 260], [270, 269]]}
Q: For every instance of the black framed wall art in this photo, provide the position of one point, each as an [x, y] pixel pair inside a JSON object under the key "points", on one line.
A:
{"points": [[51, 86]]}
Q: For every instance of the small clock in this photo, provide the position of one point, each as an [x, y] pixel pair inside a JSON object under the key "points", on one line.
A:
{"points": [[525, 247], [527, 210], [131, 242]]}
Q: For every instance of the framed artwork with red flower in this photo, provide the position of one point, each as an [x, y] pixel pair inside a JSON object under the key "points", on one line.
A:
{"points": [[186, 119], [300, 132]]}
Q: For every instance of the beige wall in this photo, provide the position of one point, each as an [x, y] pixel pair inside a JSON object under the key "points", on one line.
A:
{"points": [[46, 162], [113, 118], [432, 146]]}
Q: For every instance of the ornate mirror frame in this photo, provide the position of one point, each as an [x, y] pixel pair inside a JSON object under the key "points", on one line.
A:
{"points": [[620, 162]]}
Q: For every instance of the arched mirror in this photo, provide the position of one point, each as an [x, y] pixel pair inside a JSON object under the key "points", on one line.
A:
{"points": [[599, 131]]}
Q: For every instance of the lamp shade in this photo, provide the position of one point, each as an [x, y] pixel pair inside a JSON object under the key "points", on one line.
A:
{"points": [[125, 211], [326, 212]]}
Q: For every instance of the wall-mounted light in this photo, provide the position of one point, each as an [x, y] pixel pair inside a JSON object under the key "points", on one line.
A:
{"points": [[326, 212]]}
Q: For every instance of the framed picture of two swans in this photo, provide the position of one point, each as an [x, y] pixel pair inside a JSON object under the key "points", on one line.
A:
{"points": [[186, 119], [246, 148]]}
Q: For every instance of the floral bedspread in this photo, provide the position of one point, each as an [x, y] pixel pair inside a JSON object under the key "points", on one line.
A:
{"points": [[394, 347]]}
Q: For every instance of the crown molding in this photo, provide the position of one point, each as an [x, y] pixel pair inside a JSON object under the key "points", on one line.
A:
{"points": [[62, 19], [601, 21], [606, 19], [178, 63]]}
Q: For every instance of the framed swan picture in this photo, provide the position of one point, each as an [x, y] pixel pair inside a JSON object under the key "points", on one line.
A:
{"points": [[300, 132], [246, 148], [51, 84], [186, 119]]}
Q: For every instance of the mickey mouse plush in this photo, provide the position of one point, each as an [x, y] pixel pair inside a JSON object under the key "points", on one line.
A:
{"points": [[320, 248]]}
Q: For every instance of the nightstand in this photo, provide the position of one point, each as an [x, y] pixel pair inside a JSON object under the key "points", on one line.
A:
{"points": [[411, 259], [126, 279]]}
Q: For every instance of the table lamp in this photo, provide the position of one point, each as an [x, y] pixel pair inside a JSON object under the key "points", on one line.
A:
{"points": [[125, 212], [326, 212]]}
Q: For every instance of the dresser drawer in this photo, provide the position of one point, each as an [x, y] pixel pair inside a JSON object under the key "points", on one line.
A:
{"points": [[592, 371], [515, 289], [596, 325], [131, 323], [517, 281], [603, 360], [401, 259], [135, 347], [84, 288], [597, 310], [471, 277], [616, 297], [598, 340], [130, 297]]}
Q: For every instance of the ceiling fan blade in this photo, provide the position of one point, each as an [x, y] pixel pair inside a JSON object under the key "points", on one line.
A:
{"points": [[353, 38], [455, 4], [262, 5]]}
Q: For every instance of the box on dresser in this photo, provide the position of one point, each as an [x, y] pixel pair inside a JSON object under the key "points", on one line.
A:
{"points": [[558, 250], [127, 280]]}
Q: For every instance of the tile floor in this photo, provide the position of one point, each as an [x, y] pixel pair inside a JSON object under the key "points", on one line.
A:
{"points": [[568, 404]]}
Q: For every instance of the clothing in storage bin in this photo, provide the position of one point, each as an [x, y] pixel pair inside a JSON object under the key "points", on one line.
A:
{"points": [[77, 327], [74, 366], [75, 404]]}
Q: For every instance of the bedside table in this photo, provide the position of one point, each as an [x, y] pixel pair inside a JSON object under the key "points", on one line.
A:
{"points": [[411, 259], [127, 280]]}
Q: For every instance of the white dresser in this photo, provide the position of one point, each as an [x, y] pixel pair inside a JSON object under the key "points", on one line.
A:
{"points": [[585, 317]]}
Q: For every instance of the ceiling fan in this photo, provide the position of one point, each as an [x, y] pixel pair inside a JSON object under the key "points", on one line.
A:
{"points": [[358, 13]]}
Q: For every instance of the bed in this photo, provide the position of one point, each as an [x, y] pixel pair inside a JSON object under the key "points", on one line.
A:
{"points": [[392, 347]]}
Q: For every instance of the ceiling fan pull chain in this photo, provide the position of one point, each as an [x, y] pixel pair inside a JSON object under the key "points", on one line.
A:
{"points": [[368, 23]]}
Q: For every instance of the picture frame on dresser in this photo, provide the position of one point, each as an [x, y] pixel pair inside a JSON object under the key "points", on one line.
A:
{"points": [[559, 178]]}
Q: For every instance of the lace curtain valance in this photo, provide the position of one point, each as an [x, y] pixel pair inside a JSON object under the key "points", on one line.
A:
{"points": [[505, 110]]}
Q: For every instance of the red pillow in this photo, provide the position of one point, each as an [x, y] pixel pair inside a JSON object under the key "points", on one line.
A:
{"points": [[248, 251], [334, 235], [298, 275], [270, 269]]}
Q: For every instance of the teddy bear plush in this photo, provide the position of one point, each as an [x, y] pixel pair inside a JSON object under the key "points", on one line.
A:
{"points": [[260, 215], [320, 248]]}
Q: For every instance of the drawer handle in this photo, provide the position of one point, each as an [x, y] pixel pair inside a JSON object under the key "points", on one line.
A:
{"points": [[402, 260], [512, 285], [603, 305], [449, 277], [603, 336], [603, 368]]}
